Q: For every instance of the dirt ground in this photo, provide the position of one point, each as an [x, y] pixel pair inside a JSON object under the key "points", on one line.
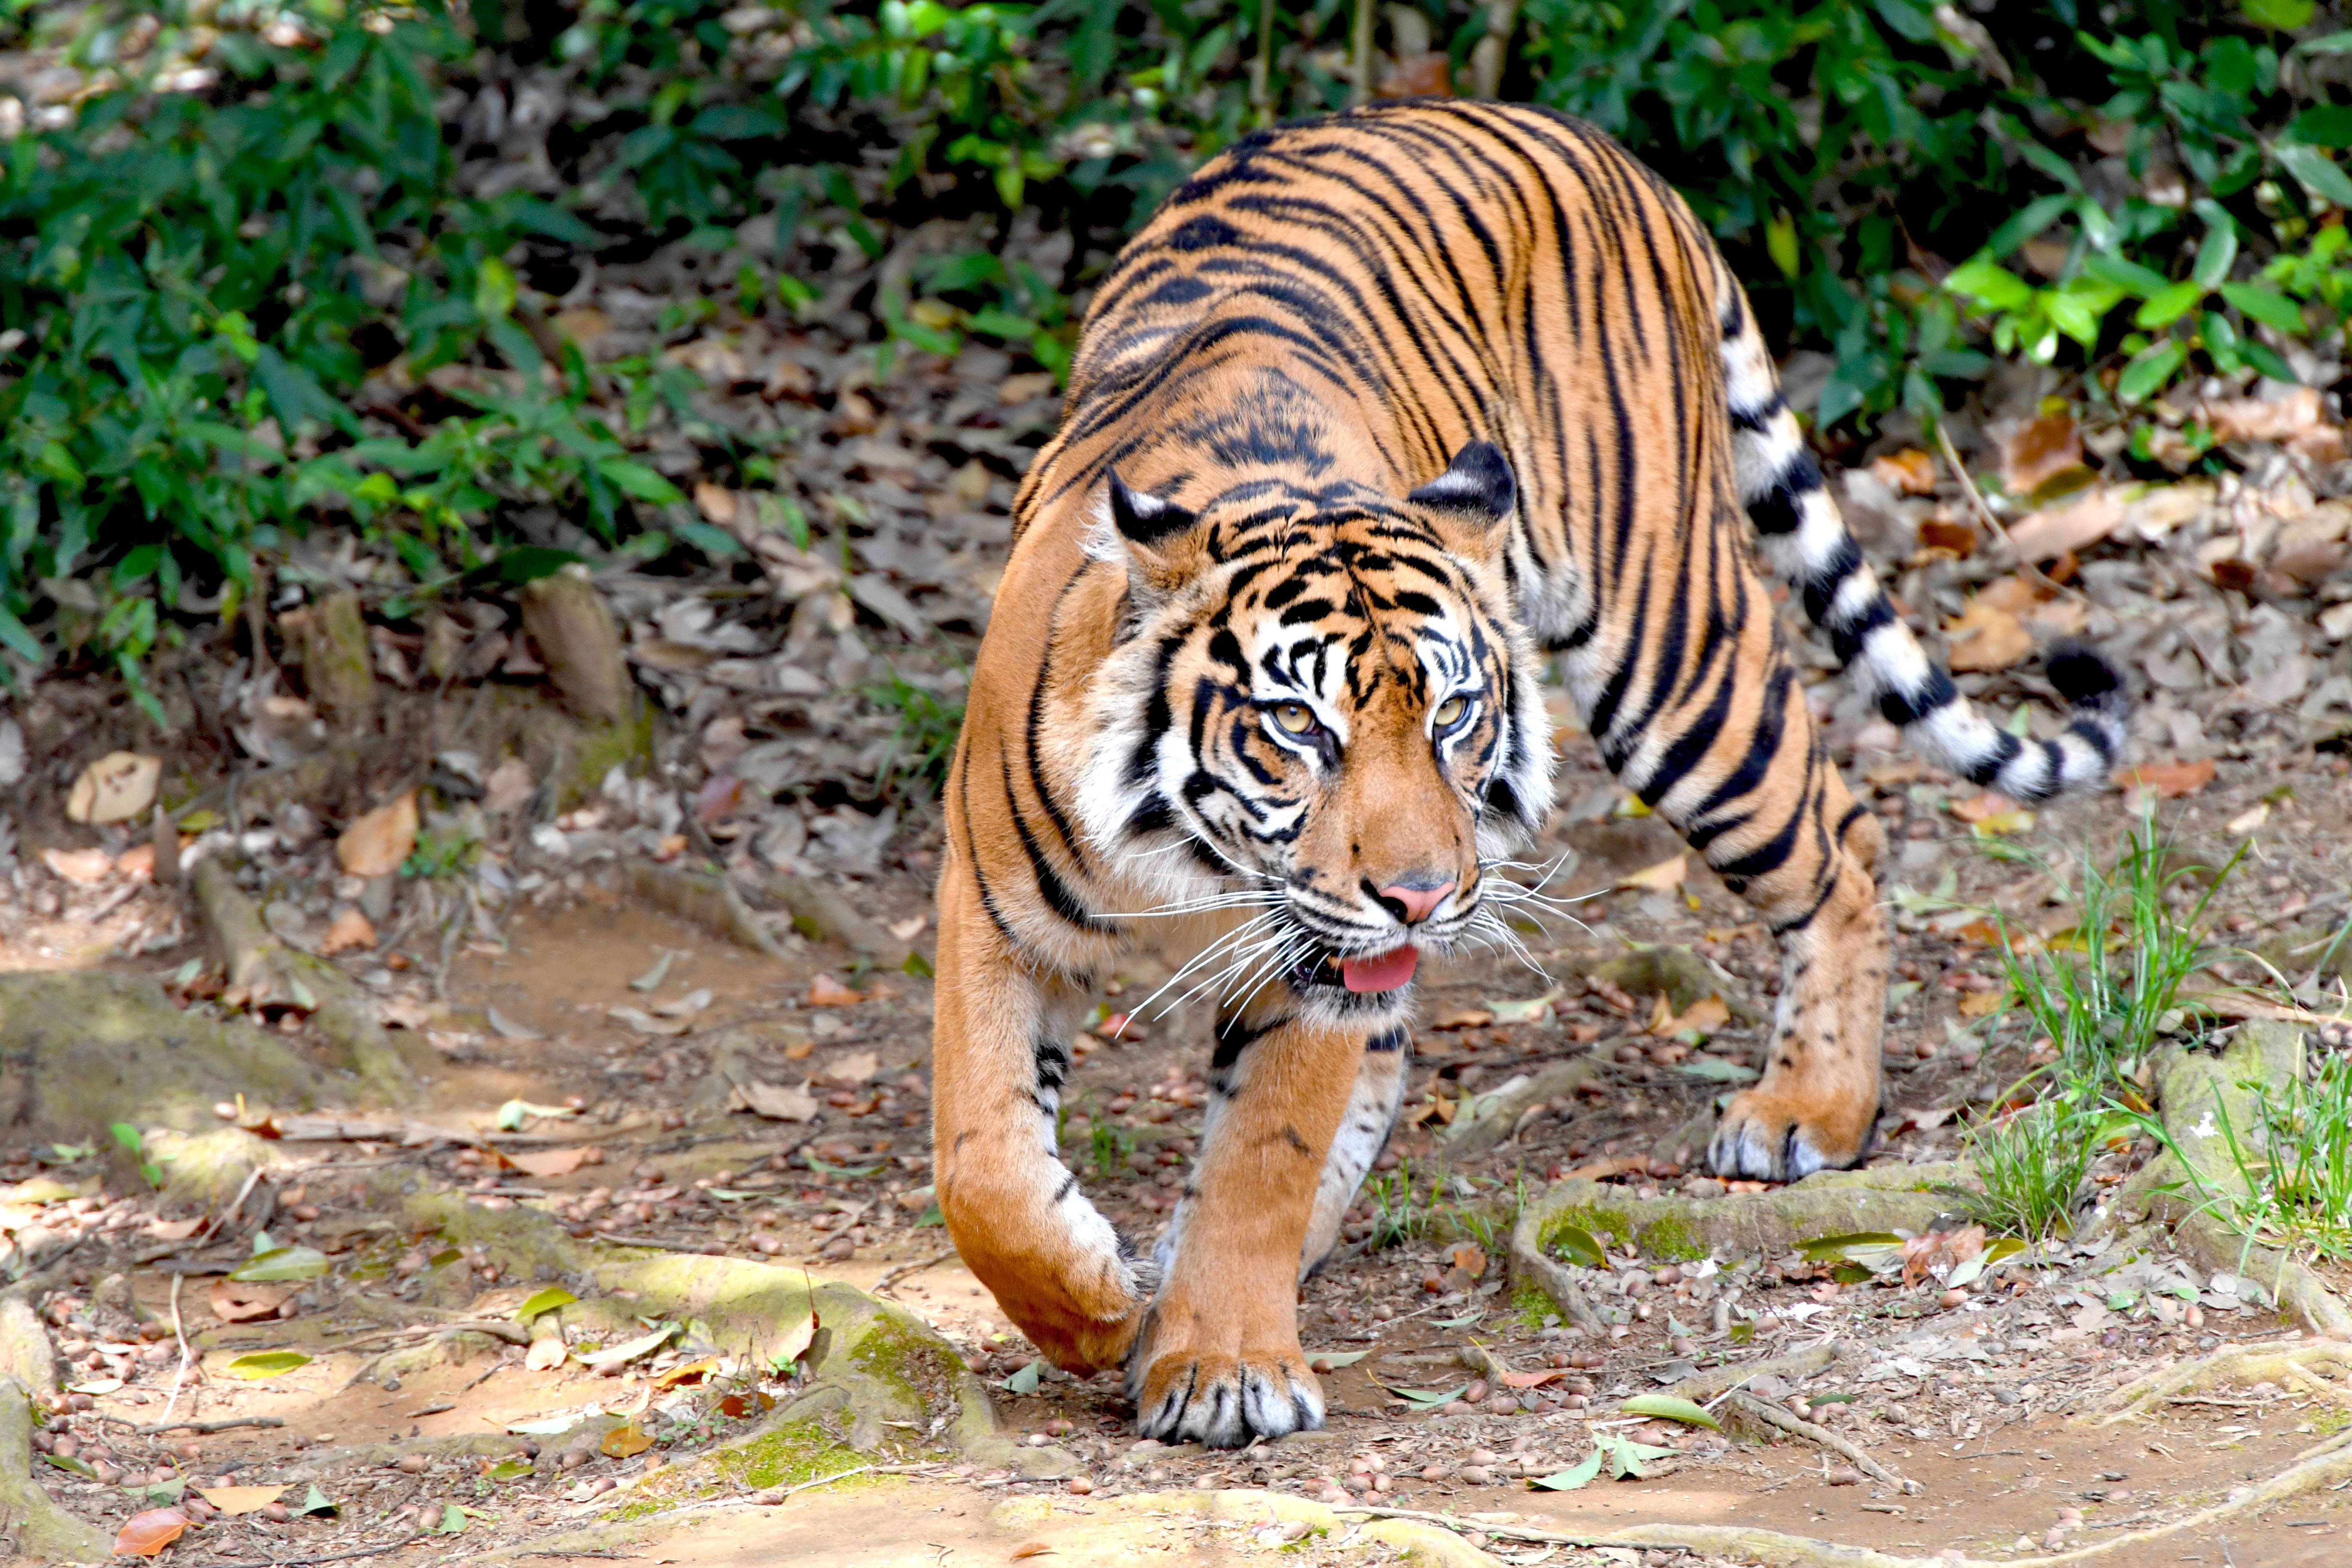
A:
{"points": [[1972, 1400]]}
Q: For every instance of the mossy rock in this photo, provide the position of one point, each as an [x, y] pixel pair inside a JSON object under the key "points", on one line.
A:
{"points": [[1674, 1229], [82, 1049]]}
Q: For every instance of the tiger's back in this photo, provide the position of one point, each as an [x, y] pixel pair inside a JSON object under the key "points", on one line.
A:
{"points": [[1373, 410]]}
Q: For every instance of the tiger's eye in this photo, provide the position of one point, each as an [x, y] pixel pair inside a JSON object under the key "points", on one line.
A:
{"points": [[1450, 712], [1295, 716]]}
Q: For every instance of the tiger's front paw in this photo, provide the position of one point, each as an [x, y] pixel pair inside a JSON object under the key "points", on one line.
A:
{"points": [[1221, 1400], [1769, 1134]]}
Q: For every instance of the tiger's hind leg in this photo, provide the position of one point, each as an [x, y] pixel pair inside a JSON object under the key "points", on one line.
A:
{"points": [[1737, 766], [1218, 1360]]}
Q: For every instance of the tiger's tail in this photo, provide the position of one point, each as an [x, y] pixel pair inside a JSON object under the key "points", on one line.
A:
{"points": [[1804, 540]]}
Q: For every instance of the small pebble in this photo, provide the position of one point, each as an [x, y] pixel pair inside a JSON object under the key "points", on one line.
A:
{"points": [[1080, 1486], [1844, 1476], [1953, 1297], [411, 1464], [1475, 1475]]}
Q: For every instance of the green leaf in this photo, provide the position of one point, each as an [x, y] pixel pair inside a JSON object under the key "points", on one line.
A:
{"points": [[2281, 15], [69, 1462], [1025, 1380], [510, 1470], [2167, 305], [296, 394], [316, 1501], [2267, 360], [1989, 283], [2128, 276], [2323, 125], [1426, 1398], [1716, 1070], [1331, 1361], [266, 1364], [127, 1136], [452, 1520], [638, 481], [2215, 254], [523, 564], [1825, 1248], [280, 1265], [2150, 371], [1577, 1244], [1780, 242], [2318, 174], [546, 1300], [1569, 1479], [1668, 1407], [2266, 305]]}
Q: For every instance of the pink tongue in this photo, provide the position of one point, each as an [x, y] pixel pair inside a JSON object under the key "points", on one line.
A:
{"points": [[1386, 973]]}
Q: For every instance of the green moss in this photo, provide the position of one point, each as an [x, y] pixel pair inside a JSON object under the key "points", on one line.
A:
{"points": [[1670, 1240], [785, 1455], [1533, 1306], [903, 1359], [597, 752]]}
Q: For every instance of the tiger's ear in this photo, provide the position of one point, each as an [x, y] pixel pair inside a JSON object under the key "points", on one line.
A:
{"points": [[1159, 540], [1477, 485]]}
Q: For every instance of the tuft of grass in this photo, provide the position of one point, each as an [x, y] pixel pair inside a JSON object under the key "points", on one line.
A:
{"points": [[1110, 1146], [1398, 1213], [2105, 993], [928, 727], [2032, 1163], [2294, 1164]]}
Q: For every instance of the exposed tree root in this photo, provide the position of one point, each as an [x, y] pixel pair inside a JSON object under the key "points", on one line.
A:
{"points": [[1771, 1415], [2299, 1365], [1494, 1116], [1707, 1385]]}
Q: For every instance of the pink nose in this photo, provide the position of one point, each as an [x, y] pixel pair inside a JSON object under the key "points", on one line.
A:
{"points": [[1416, 902]]}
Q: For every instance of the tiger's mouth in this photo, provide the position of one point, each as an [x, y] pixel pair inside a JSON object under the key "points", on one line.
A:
{"points": [[1389, 971]]}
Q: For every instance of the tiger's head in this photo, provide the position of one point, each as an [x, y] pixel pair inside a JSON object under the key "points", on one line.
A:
{"points": [[1320, 706]]}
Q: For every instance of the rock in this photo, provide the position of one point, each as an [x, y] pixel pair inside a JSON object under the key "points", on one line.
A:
{"points": [[569, 619], [32, 1528], [82, 1049]]}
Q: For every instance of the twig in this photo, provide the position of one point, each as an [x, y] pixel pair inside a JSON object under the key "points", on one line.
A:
{"points": [[1773, 1416], [1513, 1531], [655, 1242], [1984, 511], [904, 1270], [496, 1327], [180, 1335], [770, 1498], [330, 1557], [199, 1427]]}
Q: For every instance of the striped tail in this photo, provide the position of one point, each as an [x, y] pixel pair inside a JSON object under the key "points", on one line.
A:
{"points": [[1804, 540]]}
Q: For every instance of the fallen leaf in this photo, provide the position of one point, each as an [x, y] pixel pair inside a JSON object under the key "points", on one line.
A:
{"points": [[1980, 1003], [1705, 1016], [2039, 451], [97, 1386], [775, 1101], [1331, 1361], [1575, 1476], [1669, 1407], [348, 930], [266, 1364], [824, 991], [549, 1299], [1526, 1010], [2246, 821], [1531, 1379], [234, 1302], [547, 1354], [117, 787], [686, 1371], [377, 844], [176, 1229], [2286, 418], [715, 502], [1985, 636], [2053, 531], [1032, 1548], [630, 1350], [905, 930], [1461, 1019], [146, 1534], [1910, 471], [685, 1006], [1978, 807], [798, 1336], [2169, 781], [549, 1161], [515, 1112], [652, 978], [1469, 1257], [503, 1026], [856, 1067], [138, 862], [235, 1500], [1953, 538], [1665, 875], [510, 786], [646, 1024], [83, 866], [316, 1501], [281, 1264]]}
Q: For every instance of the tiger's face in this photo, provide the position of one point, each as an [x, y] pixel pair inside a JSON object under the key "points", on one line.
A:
{"points": [[1322, 710]]}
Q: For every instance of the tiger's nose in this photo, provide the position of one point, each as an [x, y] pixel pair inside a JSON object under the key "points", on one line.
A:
{"points": [[1414, 902]]}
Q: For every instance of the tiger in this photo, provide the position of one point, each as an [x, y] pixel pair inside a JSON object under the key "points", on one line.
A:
{"points": [[1375, 415]]}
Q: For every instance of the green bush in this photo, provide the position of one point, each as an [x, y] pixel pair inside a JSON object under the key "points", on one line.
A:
{"points": [[203, 267]]}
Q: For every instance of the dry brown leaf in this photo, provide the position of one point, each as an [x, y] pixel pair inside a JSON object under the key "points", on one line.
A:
{"points": [[775, 1101], [348, 930], [2039, 452], [1955, 538], [686, 1371], [2169, 781], [1034, 1549], [1463, 1018], [83, 866], [798, 1336], [1979, 1003], [1531, 1379], [1705, 1015], [824, 991], [1910, 471], [376, 844], [1978, 807], [1987, 637], [236, 1303], [117, 787], [1469, 1257], [625, 1442], [857, 1068], [2053, 531], [1614, 1165], [510, 786], [1665, 875], [146, 1534], [235, 1500], [545, 1355], [715, 502], [138, 862], [549, 1161], [2287, 418], [174, 1229]]}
